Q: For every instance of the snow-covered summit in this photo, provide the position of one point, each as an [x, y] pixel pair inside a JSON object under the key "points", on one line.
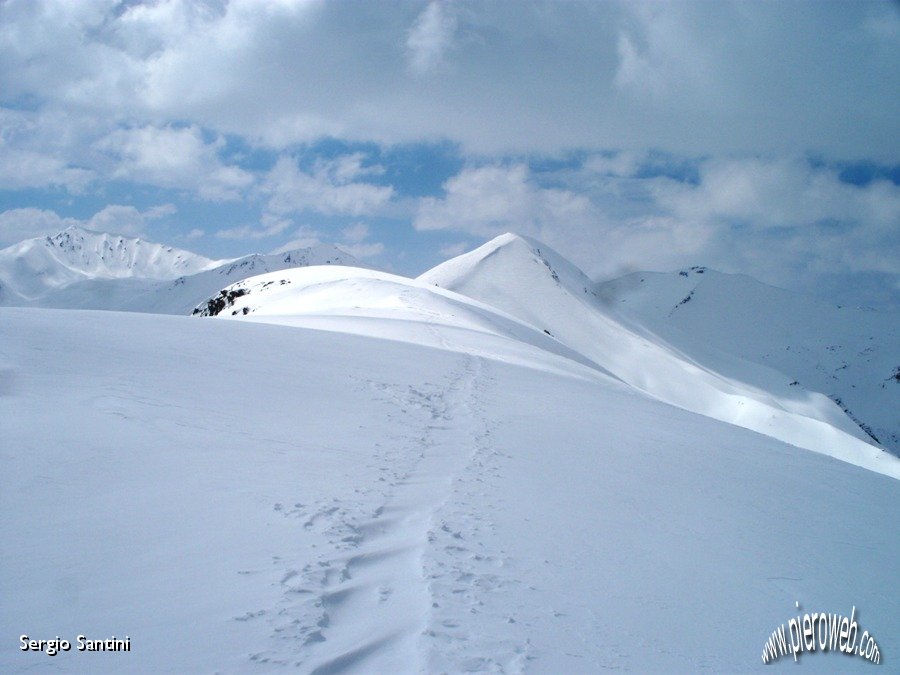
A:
{"points": [[488, 264], [517, 290], [79, 269], [37, 266], [529, 280]]}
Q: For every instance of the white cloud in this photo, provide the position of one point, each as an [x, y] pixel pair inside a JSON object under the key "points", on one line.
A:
{"points": [[431, 36], [32, 153], [355, 233], [686, 77], [303, 237], [660, 58], [355, 243], [20, 169], [364, 250], [453, 250], [269, 226], [19, 224], [330, 188], [128, 220], [172, 157], [489, 200], [354, 240], [621, 164], [782, 220], [778, 193]]}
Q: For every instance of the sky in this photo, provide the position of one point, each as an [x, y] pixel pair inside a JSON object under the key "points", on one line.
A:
{"points": [[752, 137]]}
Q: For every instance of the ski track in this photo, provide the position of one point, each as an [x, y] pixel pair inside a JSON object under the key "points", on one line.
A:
{"points": [[378, 557]]}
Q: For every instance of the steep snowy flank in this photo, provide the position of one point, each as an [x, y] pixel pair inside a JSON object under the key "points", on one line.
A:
{"points": [[36, 266], [530, 281], [851, 355], [241, 497]]}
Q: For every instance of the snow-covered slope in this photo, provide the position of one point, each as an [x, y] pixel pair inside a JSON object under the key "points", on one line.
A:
{"points": [[181, 295], [387, 306], [241, 497], [77, 269], [852, 355], [35, 267], [528, 280]]}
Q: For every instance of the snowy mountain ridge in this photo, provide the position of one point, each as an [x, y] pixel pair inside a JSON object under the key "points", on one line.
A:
{"points": [[44, 264], [79, 269], [516, 290], [350, 471], [849, 354]]}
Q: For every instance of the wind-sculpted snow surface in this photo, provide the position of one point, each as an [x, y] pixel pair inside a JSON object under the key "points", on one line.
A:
{"points": [[533, 283], [242, 497], [850, 354]]}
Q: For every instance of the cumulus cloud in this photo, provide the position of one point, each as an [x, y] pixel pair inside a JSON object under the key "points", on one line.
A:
{"points": [[489, 200], [172, 157], [787, 221], [330, 187], [21, 169], [161, 94], [19, 224], [121, 219], [355, 242], [32, 152], [354, 239], [303, 237], [546, 76], [455, 249], [430, 37]]}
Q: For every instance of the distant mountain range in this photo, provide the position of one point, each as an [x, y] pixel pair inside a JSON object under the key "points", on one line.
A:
{"points": [[685, 337], [80, 269]]}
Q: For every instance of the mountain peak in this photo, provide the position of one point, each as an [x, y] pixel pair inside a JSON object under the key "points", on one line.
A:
{"points": [[40, 265], [510, 256]]}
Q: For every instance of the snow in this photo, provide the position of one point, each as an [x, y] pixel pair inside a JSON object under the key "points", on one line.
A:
{"points": [[37, 266], [848, 353], [235, 496], [367, 473], [78, 269], [530, 281]]}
